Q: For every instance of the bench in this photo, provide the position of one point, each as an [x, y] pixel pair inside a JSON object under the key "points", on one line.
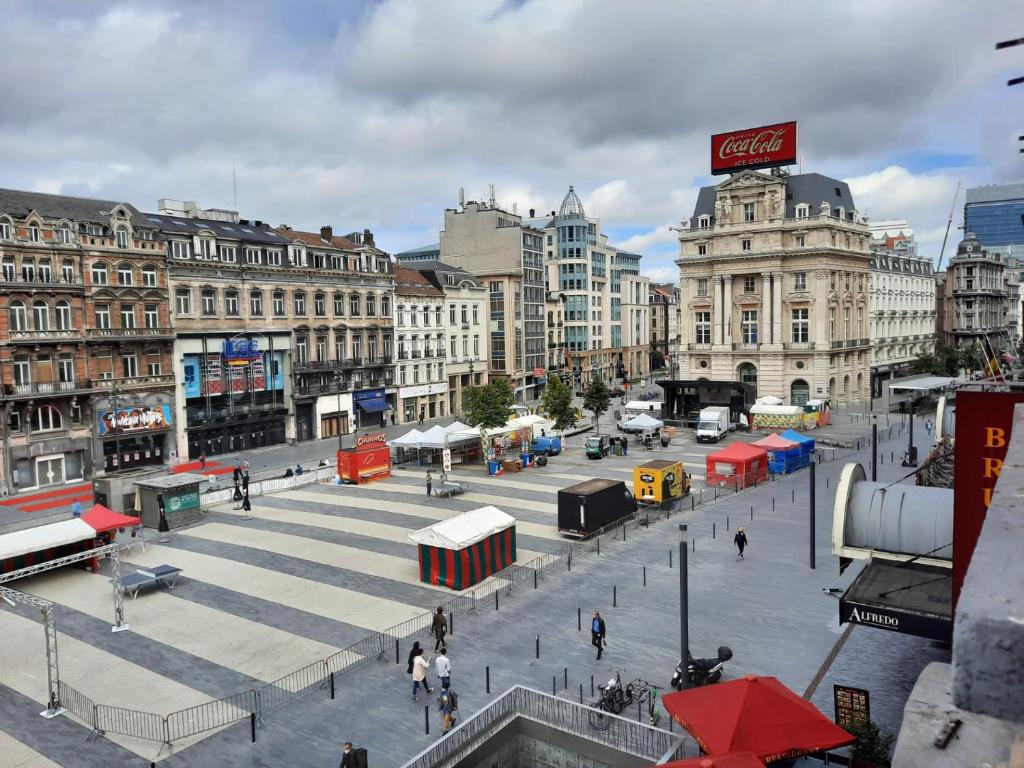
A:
{"points": [[161, 574], [449, 488]]}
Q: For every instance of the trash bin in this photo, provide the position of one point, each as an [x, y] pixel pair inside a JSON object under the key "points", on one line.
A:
{"points": [[493, 467], [527, 459]]}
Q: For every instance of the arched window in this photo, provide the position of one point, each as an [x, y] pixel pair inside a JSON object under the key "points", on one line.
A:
{"points": [[5, 229], [122, 237], [124, 274], [748, 374], [18, 316], [41, 315], [799, 392], [99, 273], [64, 234], [8, 268], [63, 316], [149, 276], [47, 418]]}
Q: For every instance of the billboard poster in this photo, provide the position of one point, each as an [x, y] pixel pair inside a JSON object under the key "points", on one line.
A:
{"points": [[853, 706], [212, 384], [240, 352], [130, 420], [192, 376], [984, 421], [763, 147]]}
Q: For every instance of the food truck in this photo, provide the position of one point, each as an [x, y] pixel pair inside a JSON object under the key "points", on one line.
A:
{"points": [[589, 506], [659, 480]]}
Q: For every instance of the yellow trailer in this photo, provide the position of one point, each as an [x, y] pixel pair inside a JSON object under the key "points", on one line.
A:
{"points": [[652, 479]]}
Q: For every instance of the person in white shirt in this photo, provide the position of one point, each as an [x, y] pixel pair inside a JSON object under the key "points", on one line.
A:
{"points": [[444, 669], [420, 667]]}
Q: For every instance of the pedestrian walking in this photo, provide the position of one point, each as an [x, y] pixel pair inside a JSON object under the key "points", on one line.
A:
{"points": [[625, 447], [439, 628], [597, 633], [245, 466], [422, 414], [420, 667], [392, 418], [202, 462], [76, 508], [237, 496], [246, 506], [443, 667], [448, 703], [352, 758], [430, 480], [245, 482], [740, 540], [236, 472]]}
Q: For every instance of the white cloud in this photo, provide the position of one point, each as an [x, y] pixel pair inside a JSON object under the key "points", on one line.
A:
{"points": [[664, 274]]}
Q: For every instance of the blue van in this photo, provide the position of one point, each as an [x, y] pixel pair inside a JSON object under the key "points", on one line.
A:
{"points": [[549, 446]]}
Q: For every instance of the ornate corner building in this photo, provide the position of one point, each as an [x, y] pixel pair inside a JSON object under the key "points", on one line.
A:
{"points": [[774, 287]]}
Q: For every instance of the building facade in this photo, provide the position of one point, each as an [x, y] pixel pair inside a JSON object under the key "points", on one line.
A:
{"points": [[558, 357], [995, 214], [339, 296], [901, 302], [774, 287], [465, 328], [664, 301], [975, 300], [422, 347], [84, 340], [607, 313]]}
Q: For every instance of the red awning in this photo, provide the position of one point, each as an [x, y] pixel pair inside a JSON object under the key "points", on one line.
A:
{"points": [[755, 714], [728, 760], [775, 443], [738, 452], [103, 519]]}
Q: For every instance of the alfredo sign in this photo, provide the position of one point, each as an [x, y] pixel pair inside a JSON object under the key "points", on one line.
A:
{"points": [[763, 147]]}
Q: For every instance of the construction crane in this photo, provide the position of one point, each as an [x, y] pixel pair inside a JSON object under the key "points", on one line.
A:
{"points": [[949, 222]]}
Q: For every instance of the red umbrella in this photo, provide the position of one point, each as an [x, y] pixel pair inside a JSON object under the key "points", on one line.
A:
{"points": [[756, 714], [728, 760]]}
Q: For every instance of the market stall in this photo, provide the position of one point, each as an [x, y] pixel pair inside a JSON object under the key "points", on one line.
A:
{"points": [[32, 546], [784, 455], [806, 443], [464, 550], [767, 417], [738, 465], [821, 409], [368, 460]]}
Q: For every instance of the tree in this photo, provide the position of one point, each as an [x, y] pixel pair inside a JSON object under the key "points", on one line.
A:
{"points": [[657, 360], [488, 406], [558, 403], [926, 362], [873, 745], [596, 399]]}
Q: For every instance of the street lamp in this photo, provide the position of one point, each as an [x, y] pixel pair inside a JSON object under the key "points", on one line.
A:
{"points": [[684, 610], [337, 378], [114, 401]]}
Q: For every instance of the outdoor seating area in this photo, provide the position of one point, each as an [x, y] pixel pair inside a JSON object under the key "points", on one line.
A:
{"points": [[160, 575], [448, 488]]}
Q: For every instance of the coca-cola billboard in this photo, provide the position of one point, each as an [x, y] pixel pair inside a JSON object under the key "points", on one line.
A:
{"points": [[761, 147]]}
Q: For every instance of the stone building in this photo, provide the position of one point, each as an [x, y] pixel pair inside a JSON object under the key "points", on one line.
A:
{"points": [[338, 295], [465, 328], [774, 287], [84, 340], [664, 301], [420, 327], [557, 359]]}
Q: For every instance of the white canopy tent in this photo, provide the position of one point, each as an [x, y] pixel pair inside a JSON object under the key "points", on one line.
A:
{"points": [[464, 530], [768, 400], [643, 421], [411, 439], [457, 426], [42, 537]]}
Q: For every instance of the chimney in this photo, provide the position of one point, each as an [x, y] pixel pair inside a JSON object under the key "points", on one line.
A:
{"points": [[368, 238], [532, 213], [326, 233]]}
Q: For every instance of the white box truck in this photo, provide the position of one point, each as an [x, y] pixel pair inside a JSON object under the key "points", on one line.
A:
{"points": [[713, 424]]}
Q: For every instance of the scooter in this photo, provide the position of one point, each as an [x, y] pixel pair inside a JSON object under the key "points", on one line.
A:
{"points": [[702, 671]]}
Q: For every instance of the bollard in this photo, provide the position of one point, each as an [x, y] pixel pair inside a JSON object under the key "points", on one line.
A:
{"points": [[826, 482], [495, 599], [727, 522], [565, 675], [712, 530], [487, 679], [332, 686], [716, 493], [773, 503], [426, 719], [615, 596], [570, 559], [591, 685], [538, 646], [645, 575], [599, 545], [581, 693], [693, 502], [397, 652], [534, 578], [624, 530], [792, 495], [554, 685], [751, 513], [579, 620], [693, 543], [252, 726], [881, 459], [670, 558], [890, 457], [451, 622]]}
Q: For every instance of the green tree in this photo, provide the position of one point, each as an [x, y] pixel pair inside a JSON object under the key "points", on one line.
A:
{"points": [[488, 406], [558, 403], [926, 362], [657, 360], [596, 399], [873, 745]]}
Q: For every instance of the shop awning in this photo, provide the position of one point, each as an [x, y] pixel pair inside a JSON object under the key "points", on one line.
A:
{"points": [[373, 404], [464, 530], [103, 519], [44, 537], [905, 597]]}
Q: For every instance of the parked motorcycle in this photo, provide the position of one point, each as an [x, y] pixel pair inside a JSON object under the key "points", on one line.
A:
{"points": [[702, 671]]}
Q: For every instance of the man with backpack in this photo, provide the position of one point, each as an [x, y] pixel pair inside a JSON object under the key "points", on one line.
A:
{"points": [[352, 758], [448, 704]]}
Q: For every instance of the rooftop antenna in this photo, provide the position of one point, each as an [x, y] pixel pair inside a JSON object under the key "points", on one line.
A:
{"points": [[234, 185], [949, 222], [462, 197], [491, 198]]}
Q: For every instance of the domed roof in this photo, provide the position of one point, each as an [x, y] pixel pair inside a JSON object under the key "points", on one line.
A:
{"points": [[970, 244], [571, 205]]}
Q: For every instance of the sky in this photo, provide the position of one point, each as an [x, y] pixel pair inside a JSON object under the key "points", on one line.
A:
{"points": [[375, 115]]}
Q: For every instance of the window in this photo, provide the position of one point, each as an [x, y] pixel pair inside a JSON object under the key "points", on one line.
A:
{"points": [[127, 315], [22, 371], [300, 303], [227, 253], [339, 347], [748, 374], [401, 315], [454, 346], [101, 314], [129, 365], [702, 249], [799, 281], [44, 271], [748, 326], [122, 237], [320, 304], [451, 314], [703, 327], [748, 283], [209, 302], [801, 326], [745, 244], [99, 273], [385, 306], [339, 305], [5, 230], [28, 270], [846, 322], [63, 235], [180, 249], [802, 211], [41, 316], [8, 268], [205, 248], [277, 303], [33, 233], [63, 316], [66, 368], [231, 303], [47, 418], [183, 301], [704, 222], [153, 368], [748, 211], [152, 316], [832, 323], [800, 241], [321, 348], [702, 286], [274, 258], [18, 315], [149, 276], [354, 304], [476, 315], [124, 274], [438, 315], [252, 255], [256, 303], [371, 305]]}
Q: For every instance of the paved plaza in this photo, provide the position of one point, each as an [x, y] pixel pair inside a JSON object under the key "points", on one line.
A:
{"points": [[318, 568]]}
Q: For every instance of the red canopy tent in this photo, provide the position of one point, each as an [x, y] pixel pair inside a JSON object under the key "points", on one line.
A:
{"points": [[739, 464], [728, 760], [104, 520], [755, 714]]}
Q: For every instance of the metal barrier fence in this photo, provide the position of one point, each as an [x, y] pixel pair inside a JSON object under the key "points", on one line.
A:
{"points": [[130, 722], [210, 715], [620, 733], [284, 689], [77, 703]]}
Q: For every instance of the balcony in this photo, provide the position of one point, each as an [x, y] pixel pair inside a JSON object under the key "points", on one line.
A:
{"points": [[416, 354], [798, 345], [465, 326], [46, 388], [129, 333], [698, 347], [308, 366], [55, 282], [746, 345], [315, 390], [49, 335], [403, 355], [837, 344], [134, 382]]}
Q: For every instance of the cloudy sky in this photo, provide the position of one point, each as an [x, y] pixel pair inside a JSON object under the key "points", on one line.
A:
{"points": [[375, 114]]}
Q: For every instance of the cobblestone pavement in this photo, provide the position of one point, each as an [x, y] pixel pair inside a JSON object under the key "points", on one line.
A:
{"points": [[320, 567]]}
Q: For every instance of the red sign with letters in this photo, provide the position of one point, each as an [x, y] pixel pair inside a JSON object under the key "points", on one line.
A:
{"points": [[762, 147], [983, 424]]}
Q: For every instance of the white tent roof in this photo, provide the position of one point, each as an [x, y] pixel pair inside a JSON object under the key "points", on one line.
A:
{"points": [[435, 437], [528, 420], [768, 400], [411, 439], [464, 530], [651, 406], [643, 421], [457, 426], [927, 383], [41, 537]]}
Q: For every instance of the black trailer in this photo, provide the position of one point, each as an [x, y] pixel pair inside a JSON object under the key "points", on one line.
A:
{"points": [[589, 506], [684, 399]]}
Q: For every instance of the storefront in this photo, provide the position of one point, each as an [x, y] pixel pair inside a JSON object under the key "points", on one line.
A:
{"points": [[135, 436], [51, 462], [371, 408], [423, 400]]}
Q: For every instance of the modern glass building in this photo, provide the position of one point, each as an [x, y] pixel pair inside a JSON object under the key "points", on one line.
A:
{"points": [[995, 214]]}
